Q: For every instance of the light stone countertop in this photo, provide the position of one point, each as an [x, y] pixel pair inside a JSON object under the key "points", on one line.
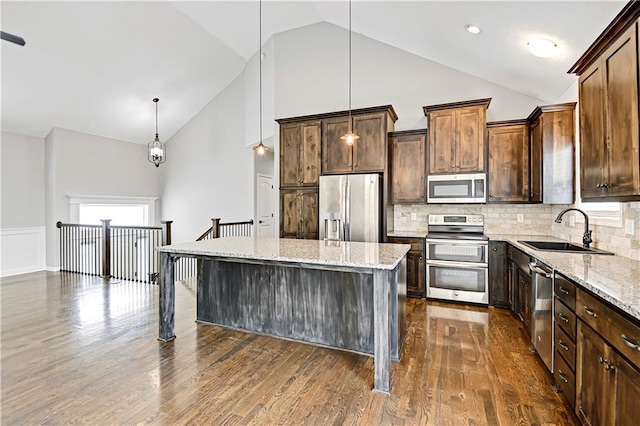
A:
{"points": [[616, 279], [407, 234], [313, 252]]}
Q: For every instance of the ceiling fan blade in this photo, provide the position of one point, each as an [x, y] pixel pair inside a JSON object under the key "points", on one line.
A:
{"points": [[12, 38]]}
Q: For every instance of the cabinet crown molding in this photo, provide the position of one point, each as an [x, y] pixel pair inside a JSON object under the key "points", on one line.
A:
{"points": [[568, 106], [360, 111], [627, 16], [460, 104]]}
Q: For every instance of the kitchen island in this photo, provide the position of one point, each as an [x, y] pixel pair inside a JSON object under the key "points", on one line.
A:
{"points": [[344, 295]]}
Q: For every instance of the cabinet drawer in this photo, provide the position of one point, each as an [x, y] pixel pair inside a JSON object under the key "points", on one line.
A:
{"points": [[565, 347], [621, 332], [417, 244], [565, 318], [565, 290], [565, 379]]}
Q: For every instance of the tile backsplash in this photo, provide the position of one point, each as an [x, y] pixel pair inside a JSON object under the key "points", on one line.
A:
{"points": [[537, 219]]}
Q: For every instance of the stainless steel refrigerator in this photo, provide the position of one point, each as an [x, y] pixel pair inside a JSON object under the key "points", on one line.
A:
{"points": [[350, 208]]}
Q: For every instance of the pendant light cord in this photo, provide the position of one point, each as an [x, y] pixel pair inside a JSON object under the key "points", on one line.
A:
{"points": [[156, 102], [350, 127], [260, 60]]}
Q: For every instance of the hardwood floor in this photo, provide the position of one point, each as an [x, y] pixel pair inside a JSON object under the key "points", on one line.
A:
{"points": [[77, 350]]}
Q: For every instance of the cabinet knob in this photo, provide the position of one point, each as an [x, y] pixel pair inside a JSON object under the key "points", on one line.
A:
{"points": [[598, 185], [491, 195]]}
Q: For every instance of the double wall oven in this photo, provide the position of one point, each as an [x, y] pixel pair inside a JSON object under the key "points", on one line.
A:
{"points": [[457, 258]]}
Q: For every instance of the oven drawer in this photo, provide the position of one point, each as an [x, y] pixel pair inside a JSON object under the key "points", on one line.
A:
{"points": [[458, 281]]}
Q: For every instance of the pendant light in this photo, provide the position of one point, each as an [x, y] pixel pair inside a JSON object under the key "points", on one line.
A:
{"points": [[157, 150], [260, 148], [350, 137]]}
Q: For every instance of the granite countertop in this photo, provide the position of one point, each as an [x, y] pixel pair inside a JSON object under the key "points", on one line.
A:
{"points": [[407, 234], [314, 252], [616, 279]]}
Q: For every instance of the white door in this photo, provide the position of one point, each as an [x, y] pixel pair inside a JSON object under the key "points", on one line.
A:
{"points": [[265, 206]]}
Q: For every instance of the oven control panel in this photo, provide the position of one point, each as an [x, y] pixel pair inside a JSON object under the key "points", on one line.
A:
{"points": [[456, 219]]}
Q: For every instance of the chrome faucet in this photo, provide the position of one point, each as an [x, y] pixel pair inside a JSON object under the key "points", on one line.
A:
{"points": [[586, 237]]}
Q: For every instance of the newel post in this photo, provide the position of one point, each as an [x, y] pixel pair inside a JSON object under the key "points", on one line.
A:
{"points": [[166, 232], [106, 248], [215, 227]]}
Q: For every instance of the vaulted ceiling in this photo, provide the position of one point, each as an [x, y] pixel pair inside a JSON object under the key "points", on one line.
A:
{"points": [[95, 66]]}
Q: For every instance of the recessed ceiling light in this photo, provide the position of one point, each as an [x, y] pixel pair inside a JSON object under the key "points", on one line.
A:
{"points": [[473, 29], [542, 48]]}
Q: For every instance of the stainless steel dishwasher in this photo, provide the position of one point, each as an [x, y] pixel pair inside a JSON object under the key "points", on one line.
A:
{"points": [[542, 311]]}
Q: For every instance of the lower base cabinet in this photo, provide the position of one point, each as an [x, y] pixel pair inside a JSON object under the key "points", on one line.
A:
{"points": [[607, 363], [608, 385], [498, 283], [415, 265]]}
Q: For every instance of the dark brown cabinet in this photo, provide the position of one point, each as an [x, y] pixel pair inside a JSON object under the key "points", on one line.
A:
{"points": [[498, 286], [368, 153], [407, 156], [607, 370], [299, 213], [609, 117], [457, 137], [415, 264], [564, 323], [508, 175], [300, 153], [552, 153], [520, 285]]}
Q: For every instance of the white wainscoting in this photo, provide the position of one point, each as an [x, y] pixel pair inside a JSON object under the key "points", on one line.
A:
{"points": [[23, 250]]}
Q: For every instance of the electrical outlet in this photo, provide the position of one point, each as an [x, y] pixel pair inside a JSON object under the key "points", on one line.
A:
{"points": [[629, 226], [572, 221], [414, 216], [520, 217]]}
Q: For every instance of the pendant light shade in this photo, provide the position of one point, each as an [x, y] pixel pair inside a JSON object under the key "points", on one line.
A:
{"points": [[261, 148], [157, 153], [350, 137]]}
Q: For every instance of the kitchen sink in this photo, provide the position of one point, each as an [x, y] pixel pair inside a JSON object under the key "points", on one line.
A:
{"points": [[562, 247]]}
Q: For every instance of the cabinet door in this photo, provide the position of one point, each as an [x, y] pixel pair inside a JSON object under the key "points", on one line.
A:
{"points": [[290, 155], [415, 273], [442, 137], [535, 133], [592, 130], [408, 174], [498, 289], [289, 213], [309, 214], [592, 379], [627, 393], [310, 152], [369, 151], [509, 163], [470, 140], [336, 154], [621, 87]]}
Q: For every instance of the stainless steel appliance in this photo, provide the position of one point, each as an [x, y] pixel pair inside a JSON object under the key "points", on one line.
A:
{"points": [[461, 188], [350, 208], [542, 311], [457, 258]]}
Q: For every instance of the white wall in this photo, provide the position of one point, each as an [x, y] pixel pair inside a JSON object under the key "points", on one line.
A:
{"points": [[209, 170], [311, 73], [22, 235], [82, 164]]}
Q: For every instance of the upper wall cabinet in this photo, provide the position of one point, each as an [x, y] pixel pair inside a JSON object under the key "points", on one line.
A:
{"points": [[300, 153], [508, 161], [552, 130], [457, 137], [609, 117], [368, 153], [408, 159]]}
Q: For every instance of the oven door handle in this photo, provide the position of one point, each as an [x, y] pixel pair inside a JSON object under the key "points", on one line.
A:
{"points": [[458, 242], [467, 265]]}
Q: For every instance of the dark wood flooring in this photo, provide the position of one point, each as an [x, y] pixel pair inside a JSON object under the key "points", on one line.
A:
{"points": [[76, 350]]}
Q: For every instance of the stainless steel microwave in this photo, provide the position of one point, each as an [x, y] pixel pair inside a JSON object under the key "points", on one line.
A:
{"points": [[461, 188]]}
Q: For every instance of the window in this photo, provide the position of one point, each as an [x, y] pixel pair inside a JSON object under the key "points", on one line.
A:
{"points": [[123, 211], [606, 214]]}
